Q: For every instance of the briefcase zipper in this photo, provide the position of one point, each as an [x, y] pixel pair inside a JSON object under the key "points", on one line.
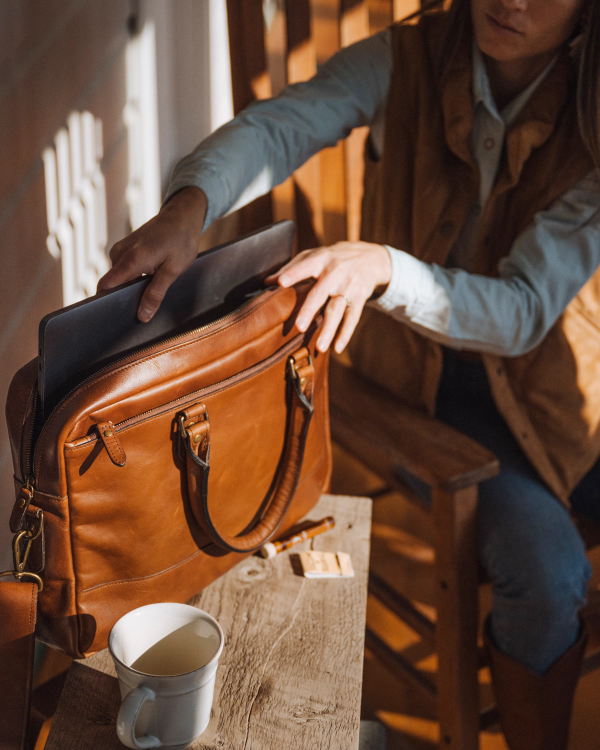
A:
{"points": [[31, 459], [183, 401], [28, 443]]}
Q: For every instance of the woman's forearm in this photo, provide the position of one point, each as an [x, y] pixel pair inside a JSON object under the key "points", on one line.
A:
{"points": [[509, 315], [271, 138]]}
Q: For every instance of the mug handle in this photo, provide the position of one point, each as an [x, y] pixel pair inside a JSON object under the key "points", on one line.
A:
{"points": [[128, 713]]}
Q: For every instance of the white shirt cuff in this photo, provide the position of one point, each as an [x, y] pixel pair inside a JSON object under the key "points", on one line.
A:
{"points": [[412, 286]]}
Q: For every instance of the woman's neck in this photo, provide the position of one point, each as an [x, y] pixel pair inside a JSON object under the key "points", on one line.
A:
{"points": [[508, 79]]}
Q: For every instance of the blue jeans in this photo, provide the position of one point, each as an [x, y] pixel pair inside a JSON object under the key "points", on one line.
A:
{"points": [[527, 543]]}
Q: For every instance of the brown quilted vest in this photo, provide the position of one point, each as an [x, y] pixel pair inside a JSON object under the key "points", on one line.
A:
{"points": [[417, 197]]}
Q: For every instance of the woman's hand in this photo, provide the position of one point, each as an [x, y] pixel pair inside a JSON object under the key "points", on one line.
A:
{"points": [[347, 274], [164, 247]]}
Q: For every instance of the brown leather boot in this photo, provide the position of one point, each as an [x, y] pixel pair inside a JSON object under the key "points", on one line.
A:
{"points": [[535, 711]]}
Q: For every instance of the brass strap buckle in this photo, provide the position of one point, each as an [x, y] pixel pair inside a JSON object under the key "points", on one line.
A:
{"points": [[183, 419], [292, 362], [34, 528]]}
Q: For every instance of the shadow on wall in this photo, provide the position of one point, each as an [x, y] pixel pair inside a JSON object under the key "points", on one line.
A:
{"points": [[62, 69]]}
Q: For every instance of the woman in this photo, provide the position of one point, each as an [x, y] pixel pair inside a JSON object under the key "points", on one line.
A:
{"points": [[481, 213]]}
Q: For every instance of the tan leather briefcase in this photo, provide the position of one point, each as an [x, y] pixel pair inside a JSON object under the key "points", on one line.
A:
{"points": [[161, 471]]}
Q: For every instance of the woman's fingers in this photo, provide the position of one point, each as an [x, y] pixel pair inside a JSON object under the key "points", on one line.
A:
{"points": [[118, 274], [155, 292], [347, 273], [334, 313], [315, 299], [308, 264], [349, 323], [164, 246]]}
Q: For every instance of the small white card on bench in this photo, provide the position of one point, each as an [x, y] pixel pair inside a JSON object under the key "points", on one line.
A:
{"points": [[326, 564]]}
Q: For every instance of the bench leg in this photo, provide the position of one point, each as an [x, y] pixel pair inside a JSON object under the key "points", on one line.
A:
{"points": [[457, 617]]}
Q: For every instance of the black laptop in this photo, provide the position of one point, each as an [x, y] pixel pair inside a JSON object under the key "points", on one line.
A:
{"points": [[78, 340]]}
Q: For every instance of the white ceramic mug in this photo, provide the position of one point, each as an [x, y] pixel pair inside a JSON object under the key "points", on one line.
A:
{"points": [[166, 658]]}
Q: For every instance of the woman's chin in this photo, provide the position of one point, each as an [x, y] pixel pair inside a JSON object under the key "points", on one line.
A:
{"points": [[504, 50]]}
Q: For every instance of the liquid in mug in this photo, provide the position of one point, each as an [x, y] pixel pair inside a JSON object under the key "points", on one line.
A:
{"points": [[184, 650]]}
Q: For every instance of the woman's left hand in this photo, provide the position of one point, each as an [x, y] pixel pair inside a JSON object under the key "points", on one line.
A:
{"points": [[347, 274]]}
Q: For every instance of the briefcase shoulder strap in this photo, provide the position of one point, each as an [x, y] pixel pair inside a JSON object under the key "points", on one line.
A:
{"points": [[18, 607]]}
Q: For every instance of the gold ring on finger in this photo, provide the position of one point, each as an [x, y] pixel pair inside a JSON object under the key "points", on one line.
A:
{"points": [[348, 303]]}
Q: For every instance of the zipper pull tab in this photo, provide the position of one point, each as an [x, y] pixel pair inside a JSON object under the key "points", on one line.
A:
{"points": [[19, 511], [108, 435]]}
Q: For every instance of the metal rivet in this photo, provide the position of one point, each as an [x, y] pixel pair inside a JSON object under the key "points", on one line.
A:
{"points": [[22, 503], [197, 438], [107, 433], [302, 382]]}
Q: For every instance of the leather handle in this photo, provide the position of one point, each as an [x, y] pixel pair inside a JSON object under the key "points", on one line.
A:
{"points": [[18, 603], [197, 446]]}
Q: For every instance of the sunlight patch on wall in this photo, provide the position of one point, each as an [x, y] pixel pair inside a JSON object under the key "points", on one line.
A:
{"points": [[141, 119], [76, 205], [221, 96]]}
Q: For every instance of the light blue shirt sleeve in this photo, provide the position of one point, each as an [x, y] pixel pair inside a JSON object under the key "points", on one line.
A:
{"points": [[508, 316], [271, 138]]}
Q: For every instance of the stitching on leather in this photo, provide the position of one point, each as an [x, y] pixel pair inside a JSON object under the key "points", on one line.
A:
{"points": [[187, 559], [30, 655], [159, 354], [112, 447], [143, 578], [111, 444], [52, 497], [157, 416], [32, 607]]}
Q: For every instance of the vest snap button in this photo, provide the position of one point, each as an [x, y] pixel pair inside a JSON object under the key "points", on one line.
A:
{"points": [[489, 143], [447, 228]]}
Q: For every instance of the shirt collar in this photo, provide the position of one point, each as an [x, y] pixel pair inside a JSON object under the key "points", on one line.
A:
{"points": [[482, 92]]}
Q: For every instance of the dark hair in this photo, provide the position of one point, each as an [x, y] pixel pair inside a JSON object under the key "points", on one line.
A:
{"points": [[587, 49], [585, 44]]}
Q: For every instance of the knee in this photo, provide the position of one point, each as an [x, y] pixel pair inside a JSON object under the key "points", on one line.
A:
{"points": [[555, 595], [549, 581], [535, 610]]}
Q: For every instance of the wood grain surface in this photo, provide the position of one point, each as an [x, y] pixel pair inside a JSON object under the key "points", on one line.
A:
{"points": [[291, 671]]}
